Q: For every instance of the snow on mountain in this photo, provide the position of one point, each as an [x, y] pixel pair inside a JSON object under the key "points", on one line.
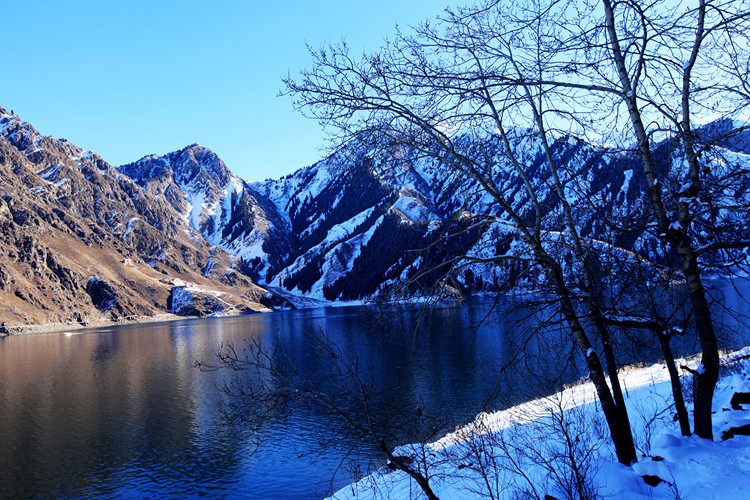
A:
{"points": [[215, 203], [362, 223], [358, 224], [340, 221]]}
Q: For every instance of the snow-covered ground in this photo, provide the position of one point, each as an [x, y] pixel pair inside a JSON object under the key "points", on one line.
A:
{"points": [[524, 451]]}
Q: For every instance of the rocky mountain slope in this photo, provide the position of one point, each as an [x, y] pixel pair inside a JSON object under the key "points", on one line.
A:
{"points": [[359, 226], [306, 234], [81, 242], [345, 228], [354, 227], [181, 233], [215, 203]]}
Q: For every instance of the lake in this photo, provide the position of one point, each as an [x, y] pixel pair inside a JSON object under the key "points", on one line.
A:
{"points": [[124, 412]]}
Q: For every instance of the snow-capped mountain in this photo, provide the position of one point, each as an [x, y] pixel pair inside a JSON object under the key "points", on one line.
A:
{"points": [[330, 231], [358, 225], [216, 204], [345, 228], [182, 233]]}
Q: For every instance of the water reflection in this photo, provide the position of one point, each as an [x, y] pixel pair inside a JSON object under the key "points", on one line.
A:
{"points": [[123, 412]]}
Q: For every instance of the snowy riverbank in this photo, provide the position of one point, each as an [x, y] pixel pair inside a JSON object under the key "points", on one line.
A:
{"points": [[527, 449]]}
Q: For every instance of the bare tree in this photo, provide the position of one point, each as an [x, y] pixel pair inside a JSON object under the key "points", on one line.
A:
{"points": [[626, 72], [549, 449], [442, 94], [272, 386], [668, 62]]}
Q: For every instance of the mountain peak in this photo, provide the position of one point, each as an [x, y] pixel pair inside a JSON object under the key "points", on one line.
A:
{"points": [[8, 119], [193, 164], [5, 112], [197, 163]]}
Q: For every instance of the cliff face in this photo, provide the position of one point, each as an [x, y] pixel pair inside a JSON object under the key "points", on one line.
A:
{"points": [[82, 242]]}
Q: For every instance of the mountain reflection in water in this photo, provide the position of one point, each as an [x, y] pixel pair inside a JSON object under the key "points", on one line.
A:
{"points": [[123, 411]]}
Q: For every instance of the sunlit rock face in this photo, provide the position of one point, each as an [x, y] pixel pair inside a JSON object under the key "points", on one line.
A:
{"points": [[66, 216]]}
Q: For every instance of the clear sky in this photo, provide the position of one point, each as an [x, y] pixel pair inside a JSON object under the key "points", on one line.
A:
{"points": [[129, 78]]}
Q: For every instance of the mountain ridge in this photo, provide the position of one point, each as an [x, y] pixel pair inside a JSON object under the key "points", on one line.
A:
{"points": [[358, 225], [82, 243]]}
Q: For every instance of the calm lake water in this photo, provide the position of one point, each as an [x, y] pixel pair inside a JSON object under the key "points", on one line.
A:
{"points": [[124, 412]]}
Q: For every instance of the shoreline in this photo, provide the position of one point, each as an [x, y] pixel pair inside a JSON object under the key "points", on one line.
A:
{"points": [[15, 330], [447, 457]]}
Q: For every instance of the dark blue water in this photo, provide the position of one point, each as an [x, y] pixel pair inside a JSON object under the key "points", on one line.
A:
{"points": [[124, 413]]}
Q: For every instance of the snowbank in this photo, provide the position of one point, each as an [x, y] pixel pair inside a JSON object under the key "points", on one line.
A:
{"points": [[526, 450]]}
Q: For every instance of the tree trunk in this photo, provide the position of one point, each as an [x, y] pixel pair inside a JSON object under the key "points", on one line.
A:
{"points": [[705, 380], [674, 378], [619, 428], [614, 379]]}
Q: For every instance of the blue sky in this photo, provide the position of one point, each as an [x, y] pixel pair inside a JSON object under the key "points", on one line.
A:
{"points": [[134, 77]]}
